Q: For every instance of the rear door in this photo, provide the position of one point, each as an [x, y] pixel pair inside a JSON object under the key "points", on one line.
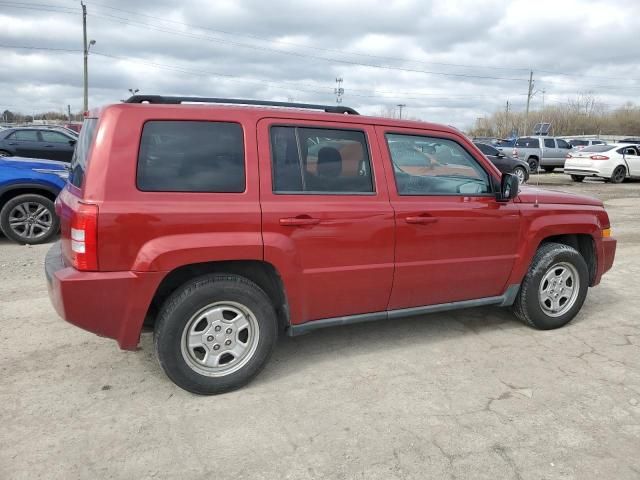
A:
{"points": [[326, 218], [26, 143], [454, 241], [550, 152], [632, 158]]}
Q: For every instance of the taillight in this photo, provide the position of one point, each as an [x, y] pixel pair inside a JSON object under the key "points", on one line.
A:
{"points": [[599, 157], [514, 153], [84, 237]]}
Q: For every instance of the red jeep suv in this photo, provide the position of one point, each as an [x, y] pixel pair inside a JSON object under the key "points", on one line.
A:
{"points": [[221, 225]]}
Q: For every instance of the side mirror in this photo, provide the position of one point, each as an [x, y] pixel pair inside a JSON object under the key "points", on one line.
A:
{"points": [[500, 155], [72, 142], [509, 186]]}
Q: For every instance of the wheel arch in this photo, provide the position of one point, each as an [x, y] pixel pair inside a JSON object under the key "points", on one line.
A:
{"points": [[11, 191], [584, 243], [262, 273]]}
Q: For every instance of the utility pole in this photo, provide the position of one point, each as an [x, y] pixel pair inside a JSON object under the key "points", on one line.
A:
{"points": [[529, 95], [400, 107], [86, 57], [339, 91], [506, 119], [69, 112]]}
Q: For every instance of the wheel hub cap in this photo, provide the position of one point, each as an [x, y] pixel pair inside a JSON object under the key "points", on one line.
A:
{"points": [[30, 220], [559, 289]]}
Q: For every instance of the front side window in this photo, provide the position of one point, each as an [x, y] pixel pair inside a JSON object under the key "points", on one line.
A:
{"points": [[191, 156], [563, 144], [435, 166], [54, 137], [320, 160], [549, 143], [25, 136]]}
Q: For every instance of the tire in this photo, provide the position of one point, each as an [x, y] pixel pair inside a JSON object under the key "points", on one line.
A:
{"points": [[619, 174], [548, 169], [533, 164], [521, 173], [223, 296], [40, 219], [4, 153], [549, 260], [577, 178]]}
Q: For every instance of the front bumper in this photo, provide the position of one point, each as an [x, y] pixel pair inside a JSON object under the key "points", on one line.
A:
{"points": [[109, 304]]}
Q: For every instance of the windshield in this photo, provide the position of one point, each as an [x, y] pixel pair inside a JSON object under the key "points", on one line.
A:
{"points": [[81, 152], [598, 148]]}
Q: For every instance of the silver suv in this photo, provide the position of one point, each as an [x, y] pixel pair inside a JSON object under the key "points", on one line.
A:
{"points": [[545, 152]]}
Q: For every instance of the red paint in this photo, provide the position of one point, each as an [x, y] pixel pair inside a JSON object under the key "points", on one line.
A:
{"points": [[336, 254]]}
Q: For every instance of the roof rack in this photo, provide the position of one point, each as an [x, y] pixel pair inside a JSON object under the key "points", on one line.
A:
{"points": [[160, 99]]}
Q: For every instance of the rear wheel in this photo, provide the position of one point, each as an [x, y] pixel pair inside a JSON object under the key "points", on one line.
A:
{"points": [[29, 219], [619, 174], [215, 334], [533, 164], [521, 174], [577, 178], [554, 288]]}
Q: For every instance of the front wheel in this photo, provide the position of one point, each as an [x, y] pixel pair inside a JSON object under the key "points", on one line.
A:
{"points": [[549, 169], [619, 174], [577, 178], [554, 288], [215, 333], [29, 219], [521, 174]]}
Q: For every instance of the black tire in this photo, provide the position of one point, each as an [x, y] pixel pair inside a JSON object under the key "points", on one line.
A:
{"points": [[527, 305], [521, 173], [577, 178], [533, 164], [193, 297], [549, 169], [4, 153], [619, 174], [17, 234]]}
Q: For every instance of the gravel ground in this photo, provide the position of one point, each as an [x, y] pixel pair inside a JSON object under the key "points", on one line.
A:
{"points": [[468, 394]]}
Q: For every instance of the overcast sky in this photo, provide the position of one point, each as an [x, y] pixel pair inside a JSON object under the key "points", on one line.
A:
{"points": [[448, 61]]}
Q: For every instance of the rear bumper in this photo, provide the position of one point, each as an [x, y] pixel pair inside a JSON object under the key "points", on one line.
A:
{"points": [[109, 304], [585, 172]]}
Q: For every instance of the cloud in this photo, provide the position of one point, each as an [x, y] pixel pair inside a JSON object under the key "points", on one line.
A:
{"points": [[449, 62]]}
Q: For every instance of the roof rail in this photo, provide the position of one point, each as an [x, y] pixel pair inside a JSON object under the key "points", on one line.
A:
{"points": [[160, 99]]}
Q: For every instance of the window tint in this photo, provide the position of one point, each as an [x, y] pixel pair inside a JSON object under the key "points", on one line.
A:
{"points": [[549, 143], [25, 135], [320, 160], [435, 166], [527, 142], [80, 157], [598, 148], [562, 144], [597, 142], [190, 156], [54, 137], [579, 143], [487, 149], [627, 151]]}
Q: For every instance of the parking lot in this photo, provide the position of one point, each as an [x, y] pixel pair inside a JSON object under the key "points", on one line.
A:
{"points": [[462, 394]]}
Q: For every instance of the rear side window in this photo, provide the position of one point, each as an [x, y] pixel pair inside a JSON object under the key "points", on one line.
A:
{"points": [[318, 160], [579, 143], [25, 136], [487, 149], [191, 156], [527, 142], [80, 157], [598, 148]]}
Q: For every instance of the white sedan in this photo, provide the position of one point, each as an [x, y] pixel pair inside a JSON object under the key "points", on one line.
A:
{"points": [[611, 162]]}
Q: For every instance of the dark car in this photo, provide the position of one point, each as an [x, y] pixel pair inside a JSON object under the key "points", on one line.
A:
{"points": [[30, 142], [504, 162], [630, 140]]}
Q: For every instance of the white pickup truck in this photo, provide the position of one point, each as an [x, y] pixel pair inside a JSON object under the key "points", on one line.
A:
{"points": [[545, 152]]}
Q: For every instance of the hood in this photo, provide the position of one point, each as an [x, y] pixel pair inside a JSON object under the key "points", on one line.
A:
{"points": [[531, 194], [30, 163]]}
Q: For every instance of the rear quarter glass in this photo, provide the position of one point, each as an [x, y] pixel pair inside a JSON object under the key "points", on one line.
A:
{"points": [[80, 159]]}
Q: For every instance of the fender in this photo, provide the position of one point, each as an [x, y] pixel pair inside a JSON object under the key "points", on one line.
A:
{"points": [[540, 225], [172, 251]]}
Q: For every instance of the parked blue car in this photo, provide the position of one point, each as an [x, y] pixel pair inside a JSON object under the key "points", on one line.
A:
{"points": [[28, 188]]}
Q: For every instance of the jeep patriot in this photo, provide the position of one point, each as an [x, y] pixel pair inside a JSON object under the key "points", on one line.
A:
{"points": [[221, 225]]}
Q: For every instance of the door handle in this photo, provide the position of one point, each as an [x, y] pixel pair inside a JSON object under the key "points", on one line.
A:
{"points": [[421, 220], [299, 221], [49, 146]]}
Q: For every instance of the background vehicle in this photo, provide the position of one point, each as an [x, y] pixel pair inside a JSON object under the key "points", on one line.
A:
{"points": [[37, 142], [611, 162], [545, 152], [580, 143], [504, 162], [635, 141], [28, 189], [219, 250]]}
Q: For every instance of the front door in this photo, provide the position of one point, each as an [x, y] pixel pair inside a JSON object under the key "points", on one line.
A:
{"points": [[56, 145], [26, 143], [327, 223], [454, 241]]}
